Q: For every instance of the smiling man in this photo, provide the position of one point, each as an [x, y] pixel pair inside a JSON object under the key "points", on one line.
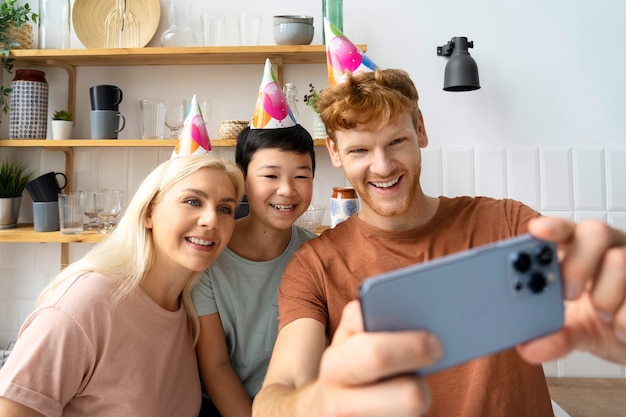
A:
{"points": [[325, 364]]}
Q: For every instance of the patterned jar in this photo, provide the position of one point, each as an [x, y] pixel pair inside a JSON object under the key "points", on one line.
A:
{"points": [[28, 114], [344, 202]]}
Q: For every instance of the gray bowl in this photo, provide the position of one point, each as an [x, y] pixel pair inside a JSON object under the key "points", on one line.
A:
{"points": [[293, 30]]}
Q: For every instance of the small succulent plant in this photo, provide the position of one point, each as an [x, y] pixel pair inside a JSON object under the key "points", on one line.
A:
{"points": [[63, 115]]}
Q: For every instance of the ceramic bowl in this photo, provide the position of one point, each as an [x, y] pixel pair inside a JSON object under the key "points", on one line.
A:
{"points": [[312, 218], [293, 30]]}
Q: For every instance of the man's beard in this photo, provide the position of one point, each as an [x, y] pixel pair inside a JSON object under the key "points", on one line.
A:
{"points": [[397, 207]]}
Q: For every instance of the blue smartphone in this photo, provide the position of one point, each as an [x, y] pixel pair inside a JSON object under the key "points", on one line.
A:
{"points": [[477, 302]]}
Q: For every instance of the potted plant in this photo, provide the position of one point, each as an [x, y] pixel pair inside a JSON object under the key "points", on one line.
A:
{"points": [[319, 130], [62, 122], [13, 179], [15, 33]]}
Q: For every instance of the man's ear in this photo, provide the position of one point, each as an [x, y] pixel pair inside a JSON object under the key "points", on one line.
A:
{"points": [[422, 136], [333, 151]]}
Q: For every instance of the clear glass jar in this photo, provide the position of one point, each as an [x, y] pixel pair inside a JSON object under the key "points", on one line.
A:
{"points": [[291, 94], [179, 32], [122, 27], [54, 24]]}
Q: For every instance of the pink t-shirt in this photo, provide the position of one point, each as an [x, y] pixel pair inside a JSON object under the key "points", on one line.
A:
{"points": [[80, 355]]}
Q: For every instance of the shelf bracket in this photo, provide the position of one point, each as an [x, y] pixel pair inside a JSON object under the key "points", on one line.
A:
{"points": [[71, 83], [278, 61]]}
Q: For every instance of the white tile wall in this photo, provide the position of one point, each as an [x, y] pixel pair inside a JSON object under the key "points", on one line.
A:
{"points": [[574, 183]]}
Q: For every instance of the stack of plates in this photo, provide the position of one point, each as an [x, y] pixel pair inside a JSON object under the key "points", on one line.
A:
{"points": [[89, 19]]}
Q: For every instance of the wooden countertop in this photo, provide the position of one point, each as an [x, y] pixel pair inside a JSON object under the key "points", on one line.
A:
{"points": [[589, 397]]}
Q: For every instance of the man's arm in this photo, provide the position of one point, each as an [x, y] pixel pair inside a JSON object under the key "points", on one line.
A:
{"points": [[350, 376], [593, 262]]}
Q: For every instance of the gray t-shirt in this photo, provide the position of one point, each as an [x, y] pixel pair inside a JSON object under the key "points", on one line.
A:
{"points": [[244, 293]]}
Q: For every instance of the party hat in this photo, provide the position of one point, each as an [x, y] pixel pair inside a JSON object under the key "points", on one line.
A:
{"points": [[342, 55], [272, 110], [193, 138]]}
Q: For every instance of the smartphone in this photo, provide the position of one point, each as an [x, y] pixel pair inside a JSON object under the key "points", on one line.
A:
{"points": [[477, 302]]}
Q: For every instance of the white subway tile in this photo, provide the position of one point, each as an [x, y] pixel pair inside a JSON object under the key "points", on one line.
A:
{"points": [[556, 178], [616, 173], [19, 254], [28, 283], [23, 309], [569, 215], [580, 216], [583, 364], [490, 166], [457, 171], [430, 177], [589, 179], [141, 161], [617, 219], [85, 169], [523, 175], [47, 255], [112, 169]]}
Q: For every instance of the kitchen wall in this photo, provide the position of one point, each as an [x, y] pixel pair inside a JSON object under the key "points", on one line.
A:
{"points": [[542, 129]]}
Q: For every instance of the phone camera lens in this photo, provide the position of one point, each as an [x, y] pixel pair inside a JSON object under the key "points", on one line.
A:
{"points": [[522, 262], [537, 282], [545, 255]]}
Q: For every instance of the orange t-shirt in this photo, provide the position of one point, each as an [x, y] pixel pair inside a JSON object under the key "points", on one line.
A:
{"points": [[325, 273]]}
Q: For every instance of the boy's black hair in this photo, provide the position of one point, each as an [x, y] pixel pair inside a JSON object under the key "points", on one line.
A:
{"points": [[292, 139]]}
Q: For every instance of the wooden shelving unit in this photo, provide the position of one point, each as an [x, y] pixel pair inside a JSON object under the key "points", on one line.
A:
{"points": [[69, 59]]}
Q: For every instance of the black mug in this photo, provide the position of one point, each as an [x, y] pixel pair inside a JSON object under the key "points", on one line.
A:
{"points": [[46, 187], [105, 97]]}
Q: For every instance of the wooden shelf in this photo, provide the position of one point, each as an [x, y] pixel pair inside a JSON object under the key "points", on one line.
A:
{"points": [[193, 55], [113, 143], [26, 234], [69, 59]]}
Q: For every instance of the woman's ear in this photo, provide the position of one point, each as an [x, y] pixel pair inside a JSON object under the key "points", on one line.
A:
{"points": [[149, 223]]}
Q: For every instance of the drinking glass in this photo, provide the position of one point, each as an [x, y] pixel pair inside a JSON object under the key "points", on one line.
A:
{"points": [[112, 204], [93, 206], [205, 108], [174, 117]]}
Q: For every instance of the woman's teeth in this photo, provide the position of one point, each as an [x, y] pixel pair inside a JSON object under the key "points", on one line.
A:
{"points": [[202, 242]]}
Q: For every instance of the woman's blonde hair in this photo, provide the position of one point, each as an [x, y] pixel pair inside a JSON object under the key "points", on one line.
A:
{"points": [[371, 98], [128, 252]]}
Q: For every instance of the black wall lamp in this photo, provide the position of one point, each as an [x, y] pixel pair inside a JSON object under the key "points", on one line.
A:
{"points": [[461, 73]]}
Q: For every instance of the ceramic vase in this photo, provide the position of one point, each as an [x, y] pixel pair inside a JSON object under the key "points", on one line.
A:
{"points": [[28, 114], [319, 129]]}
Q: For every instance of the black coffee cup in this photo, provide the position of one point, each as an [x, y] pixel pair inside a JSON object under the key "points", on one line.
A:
{"points": [[105, 97], [46, 187]]}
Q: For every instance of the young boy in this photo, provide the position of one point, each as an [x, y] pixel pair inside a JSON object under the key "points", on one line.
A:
{"points": [[236, 299]]}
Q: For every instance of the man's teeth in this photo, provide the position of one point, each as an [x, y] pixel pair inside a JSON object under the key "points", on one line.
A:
{"points": [[282, 208], [386, 184], [202, 242]]}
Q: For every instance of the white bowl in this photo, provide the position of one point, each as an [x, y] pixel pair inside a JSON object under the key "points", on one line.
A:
{"points": [[293, 30], [312, 218]]}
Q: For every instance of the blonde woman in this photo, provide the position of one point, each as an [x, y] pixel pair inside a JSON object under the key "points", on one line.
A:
{"points": [[114, 333]]}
